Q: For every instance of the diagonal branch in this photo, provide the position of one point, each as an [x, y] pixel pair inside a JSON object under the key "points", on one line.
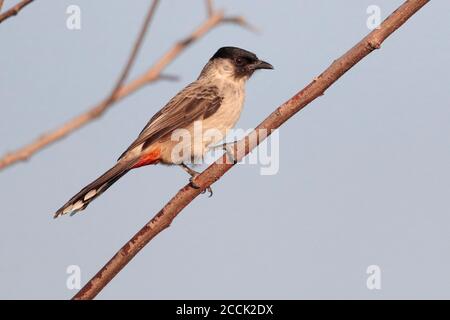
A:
{"points": [[14, 10], [151, 75], [316, 88]]}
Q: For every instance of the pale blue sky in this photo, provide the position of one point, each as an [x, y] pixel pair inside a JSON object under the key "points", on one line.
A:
{"points": [[364, 171]]}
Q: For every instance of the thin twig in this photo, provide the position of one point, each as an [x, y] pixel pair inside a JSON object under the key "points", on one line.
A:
{"points": [[14, 10], [134, 52], [151, 75], [241, 21], [1, 5], [316, 88], [209, 7]]}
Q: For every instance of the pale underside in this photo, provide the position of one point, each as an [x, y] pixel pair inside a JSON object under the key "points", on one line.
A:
{"points": [[195, 119]]}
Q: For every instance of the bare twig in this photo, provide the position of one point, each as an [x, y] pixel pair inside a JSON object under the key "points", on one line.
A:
{"points": [[133, 55], [151, 75], [1, 5], [209, 7], [316, 88], [14, 10], [241, 21]]}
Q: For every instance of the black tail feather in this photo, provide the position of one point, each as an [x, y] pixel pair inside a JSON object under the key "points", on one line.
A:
{"points": [[83, 198]]}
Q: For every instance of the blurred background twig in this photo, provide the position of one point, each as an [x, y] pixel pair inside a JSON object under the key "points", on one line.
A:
{"points": [[122, 89], [14, 10]]}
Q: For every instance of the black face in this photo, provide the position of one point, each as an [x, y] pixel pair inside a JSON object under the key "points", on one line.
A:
{"points": [[245, 62]]}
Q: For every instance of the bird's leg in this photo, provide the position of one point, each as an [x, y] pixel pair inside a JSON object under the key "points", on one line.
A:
{"points": [[190, 171], [224, 147], [193, 175]]}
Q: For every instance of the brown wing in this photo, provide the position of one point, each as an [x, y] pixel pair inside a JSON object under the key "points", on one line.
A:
{"points": [[194, 102]]}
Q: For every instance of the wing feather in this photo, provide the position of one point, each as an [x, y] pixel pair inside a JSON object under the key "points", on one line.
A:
{"points": [[194, 102]]}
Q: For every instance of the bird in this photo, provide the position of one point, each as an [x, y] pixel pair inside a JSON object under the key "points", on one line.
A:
{"points": [[214, 101]]}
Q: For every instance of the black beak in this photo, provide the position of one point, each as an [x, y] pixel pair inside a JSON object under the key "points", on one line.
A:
{"points": [[261, 65]]}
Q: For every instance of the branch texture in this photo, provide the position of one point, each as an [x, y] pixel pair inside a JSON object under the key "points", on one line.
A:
{"points": [[316, 88], [122, 91], [14, 10]]}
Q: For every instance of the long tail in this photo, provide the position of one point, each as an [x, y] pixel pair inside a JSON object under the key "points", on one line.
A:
{"points": [[82, 199]]}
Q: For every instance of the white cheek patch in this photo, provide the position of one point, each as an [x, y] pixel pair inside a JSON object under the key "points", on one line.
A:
{"points": [[227, 68]]}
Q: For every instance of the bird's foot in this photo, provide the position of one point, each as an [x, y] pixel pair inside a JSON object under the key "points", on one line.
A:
{"points": [[196, 186], [226, 147], [194, 174], [229, 154]]}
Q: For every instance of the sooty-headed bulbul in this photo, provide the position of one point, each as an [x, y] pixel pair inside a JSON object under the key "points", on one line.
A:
{"points": [[215, 99]]}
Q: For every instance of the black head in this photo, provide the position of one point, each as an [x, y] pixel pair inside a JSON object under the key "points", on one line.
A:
{"points": [[244, 62]]}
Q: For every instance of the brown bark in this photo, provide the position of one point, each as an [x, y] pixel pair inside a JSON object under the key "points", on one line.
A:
{"points": [[14, 10]]}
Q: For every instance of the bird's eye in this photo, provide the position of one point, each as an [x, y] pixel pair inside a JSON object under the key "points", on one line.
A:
{"points": [[239, 61]]}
